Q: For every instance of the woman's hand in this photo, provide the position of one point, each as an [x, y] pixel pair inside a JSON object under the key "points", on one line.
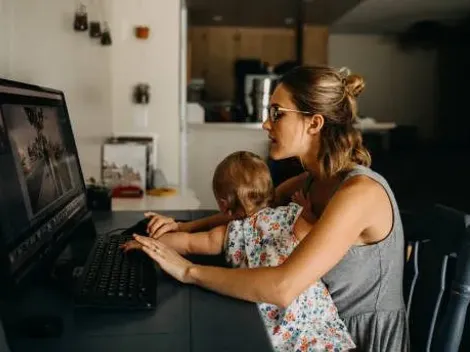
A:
{"points": [[160, 225], [168, 259]]}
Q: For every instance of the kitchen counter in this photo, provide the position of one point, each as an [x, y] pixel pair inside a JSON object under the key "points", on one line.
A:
{"points": [[226, 125], [363, 126]]}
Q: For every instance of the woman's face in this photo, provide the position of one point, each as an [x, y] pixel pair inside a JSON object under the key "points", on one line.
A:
{"points": [[287, 131]]}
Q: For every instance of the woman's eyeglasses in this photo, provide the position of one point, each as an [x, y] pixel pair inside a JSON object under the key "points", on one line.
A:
{"points": [[276, 112]]}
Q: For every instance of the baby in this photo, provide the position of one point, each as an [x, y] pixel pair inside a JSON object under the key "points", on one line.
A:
{"points": [[264, 236]]}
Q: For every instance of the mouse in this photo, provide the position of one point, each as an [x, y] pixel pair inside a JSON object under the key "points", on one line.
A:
{"points": [[42, 326]]}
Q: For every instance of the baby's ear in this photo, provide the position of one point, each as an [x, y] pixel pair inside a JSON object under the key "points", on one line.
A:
{"points": [[223, 206]]}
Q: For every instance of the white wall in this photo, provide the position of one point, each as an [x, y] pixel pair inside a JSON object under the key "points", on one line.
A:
{"points": [[43, 49], [154, 61], [5, 10], [400, 86]]}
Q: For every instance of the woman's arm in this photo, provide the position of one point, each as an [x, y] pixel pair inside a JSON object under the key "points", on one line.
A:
{"points": [[347, 215]]}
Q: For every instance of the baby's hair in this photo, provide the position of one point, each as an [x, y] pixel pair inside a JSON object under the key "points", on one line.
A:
{"points": [[243, 180]]}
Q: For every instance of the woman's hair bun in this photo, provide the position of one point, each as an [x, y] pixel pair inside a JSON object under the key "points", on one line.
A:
{"points": [[354, 84]]}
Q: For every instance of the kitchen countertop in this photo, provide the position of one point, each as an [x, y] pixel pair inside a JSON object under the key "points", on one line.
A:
{"points": [[226, 125], [363, 126]]}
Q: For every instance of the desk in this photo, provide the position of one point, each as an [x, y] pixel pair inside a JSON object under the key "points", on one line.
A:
{"points": [[187, 318]]}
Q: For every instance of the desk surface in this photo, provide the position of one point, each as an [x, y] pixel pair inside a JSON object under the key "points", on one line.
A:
{"points": [[187, 318]]}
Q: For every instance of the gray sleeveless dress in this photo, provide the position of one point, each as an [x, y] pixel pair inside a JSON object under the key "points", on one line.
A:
{"points": [[366, 285]]}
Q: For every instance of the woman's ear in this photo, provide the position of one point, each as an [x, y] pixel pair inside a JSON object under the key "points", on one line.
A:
{"points": [[315, 124]]}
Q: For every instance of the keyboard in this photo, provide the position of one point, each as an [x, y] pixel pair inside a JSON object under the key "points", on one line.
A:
{"points": [[114, 279]]}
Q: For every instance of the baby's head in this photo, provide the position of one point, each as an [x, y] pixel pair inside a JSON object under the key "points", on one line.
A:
{"points": [[242, 184]]}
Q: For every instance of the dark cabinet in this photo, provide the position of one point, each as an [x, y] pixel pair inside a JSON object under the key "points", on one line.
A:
{"points": [[453, 121]]}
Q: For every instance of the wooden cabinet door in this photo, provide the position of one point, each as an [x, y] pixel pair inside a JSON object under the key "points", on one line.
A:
{"points": [[215, 49], [315, 49]]}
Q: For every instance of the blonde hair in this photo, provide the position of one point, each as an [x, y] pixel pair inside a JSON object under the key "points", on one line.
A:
{"points": [[331, 93], [243, 180]]}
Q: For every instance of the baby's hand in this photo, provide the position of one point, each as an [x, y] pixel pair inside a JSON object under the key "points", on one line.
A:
{"points": [[130, 245], [160, 225], [306, 204], [300, 199]]}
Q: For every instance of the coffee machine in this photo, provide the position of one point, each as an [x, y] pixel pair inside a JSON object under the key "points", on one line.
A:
{"points": [[258, 90]]}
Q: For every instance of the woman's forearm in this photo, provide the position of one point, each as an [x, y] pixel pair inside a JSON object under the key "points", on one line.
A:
{"points": [[205, 223], [268, 285]]}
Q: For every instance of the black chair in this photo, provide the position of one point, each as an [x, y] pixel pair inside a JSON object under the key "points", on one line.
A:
{"points": [[437, 279]]}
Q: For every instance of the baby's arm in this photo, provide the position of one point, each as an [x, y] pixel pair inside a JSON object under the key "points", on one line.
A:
{"points": [[209, 242]]}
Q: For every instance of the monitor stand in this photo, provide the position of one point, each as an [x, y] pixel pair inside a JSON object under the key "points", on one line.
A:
{"points": [[67, 267]]}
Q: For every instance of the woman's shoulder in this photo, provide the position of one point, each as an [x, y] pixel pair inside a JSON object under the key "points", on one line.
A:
{"points": [[365, 181], [358, 193], [361, 183], [364, 174], [367, 197], [363, 195]]}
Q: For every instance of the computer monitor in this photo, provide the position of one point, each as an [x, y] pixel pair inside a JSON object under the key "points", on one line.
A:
{"points": [[42, 192]]}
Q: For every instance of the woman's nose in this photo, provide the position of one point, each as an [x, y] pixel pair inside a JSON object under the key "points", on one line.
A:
{"points": [[267, 124]]}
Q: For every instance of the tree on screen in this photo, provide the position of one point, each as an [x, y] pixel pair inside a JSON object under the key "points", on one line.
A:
{"points": [[42, 149]]}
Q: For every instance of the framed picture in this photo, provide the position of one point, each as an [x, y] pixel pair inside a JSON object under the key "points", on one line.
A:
{"points": [[124, 165], [147, 139]]}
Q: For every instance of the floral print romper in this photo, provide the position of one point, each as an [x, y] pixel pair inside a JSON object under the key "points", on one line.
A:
{"points": [[311, 322]]}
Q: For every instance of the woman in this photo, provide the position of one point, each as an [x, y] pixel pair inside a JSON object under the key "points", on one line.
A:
{"points": [[356, 243]]}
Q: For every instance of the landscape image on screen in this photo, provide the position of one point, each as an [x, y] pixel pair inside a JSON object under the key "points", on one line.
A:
{"points": [[43, 160], [3, 136]]}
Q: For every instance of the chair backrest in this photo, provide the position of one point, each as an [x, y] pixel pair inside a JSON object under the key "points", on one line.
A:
{"points": [[437, 279], [3, 341]]}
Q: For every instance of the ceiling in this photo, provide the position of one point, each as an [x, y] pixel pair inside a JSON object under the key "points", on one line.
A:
{"points": [[398, 15], [266, 13], [342, 15]]}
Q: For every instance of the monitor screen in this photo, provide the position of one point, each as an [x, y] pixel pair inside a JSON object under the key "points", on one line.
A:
{"points": [[41, 184]]}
